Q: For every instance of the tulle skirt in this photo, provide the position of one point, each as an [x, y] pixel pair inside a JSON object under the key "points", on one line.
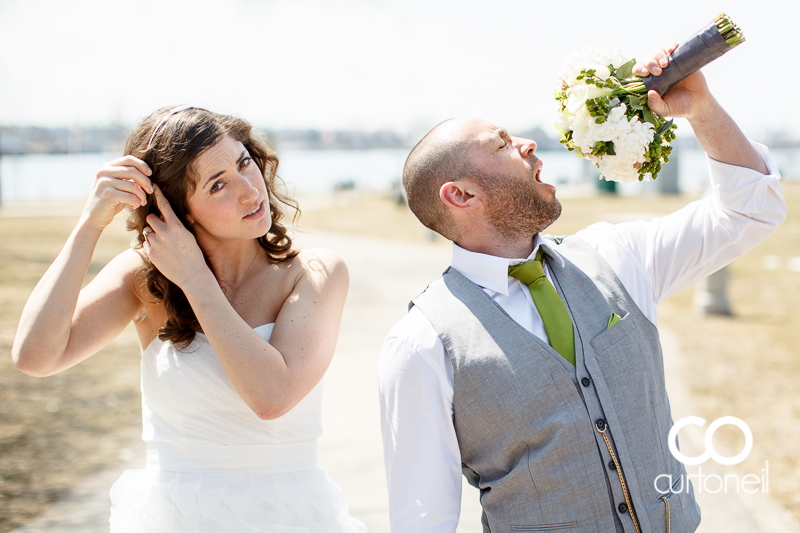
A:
{"points": [[156, 501]]}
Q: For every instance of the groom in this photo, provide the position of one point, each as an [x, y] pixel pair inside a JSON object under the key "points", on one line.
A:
{"points": [[561, 427]]}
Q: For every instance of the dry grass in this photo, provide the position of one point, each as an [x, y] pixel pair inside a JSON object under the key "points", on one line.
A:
{"points": [[56, 430]]}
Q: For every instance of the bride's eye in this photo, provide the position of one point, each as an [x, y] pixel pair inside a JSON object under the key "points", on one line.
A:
{"points": [[217, 186], [245, 162]]}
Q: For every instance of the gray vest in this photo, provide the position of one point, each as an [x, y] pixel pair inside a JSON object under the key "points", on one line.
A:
{"points": [[527, 421]]}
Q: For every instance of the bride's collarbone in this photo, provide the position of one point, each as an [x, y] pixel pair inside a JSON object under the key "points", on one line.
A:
{"points": [[259, 301], [261, 296]]}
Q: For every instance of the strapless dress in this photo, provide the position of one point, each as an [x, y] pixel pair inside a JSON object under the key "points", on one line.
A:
{"points": [[213, 465]]}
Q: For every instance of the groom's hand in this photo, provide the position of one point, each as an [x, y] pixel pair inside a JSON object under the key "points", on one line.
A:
{"points": [[688, 98], [716, 131]]}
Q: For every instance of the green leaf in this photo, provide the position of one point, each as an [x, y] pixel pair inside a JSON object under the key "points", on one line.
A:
{"points": [[648, 115], [664, 127], [634, 103], [610, 148], [626, 70]]}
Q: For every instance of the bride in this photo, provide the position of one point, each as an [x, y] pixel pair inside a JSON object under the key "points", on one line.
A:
{"points": [[237, 329]]}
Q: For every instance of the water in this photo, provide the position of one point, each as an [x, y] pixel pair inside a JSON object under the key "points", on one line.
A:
{"points": [[49, 177], [318, 171], [69, 177]]}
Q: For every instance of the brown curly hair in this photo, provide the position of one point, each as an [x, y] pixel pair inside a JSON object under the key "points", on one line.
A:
{"points": [[177, 143]]}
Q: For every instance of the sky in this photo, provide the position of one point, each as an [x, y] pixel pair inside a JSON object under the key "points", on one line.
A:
{"points": [[363, 64]]}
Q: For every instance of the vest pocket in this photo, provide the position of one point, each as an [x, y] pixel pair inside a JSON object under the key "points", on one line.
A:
{"points": [[545, 527], [614, 334]]}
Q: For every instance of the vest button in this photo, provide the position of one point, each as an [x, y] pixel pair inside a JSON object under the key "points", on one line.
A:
{"points": [[623, 508], [601, 424], [586, 382], [611, 465]]}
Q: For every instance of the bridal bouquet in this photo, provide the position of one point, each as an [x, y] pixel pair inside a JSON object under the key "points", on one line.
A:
{"points": [[603, 112]]}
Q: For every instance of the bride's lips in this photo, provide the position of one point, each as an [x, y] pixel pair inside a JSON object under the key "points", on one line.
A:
{"points": [[258, 213]]}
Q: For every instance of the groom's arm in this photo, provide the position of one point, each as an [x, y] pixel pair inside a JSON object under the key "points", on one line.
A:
{"points": [[421, 455], [745, 207], [657, 258]]}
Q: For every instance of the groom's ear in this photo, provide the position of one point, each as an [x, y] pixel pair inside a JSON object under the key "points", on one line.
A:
{"points": [[460, 195]]}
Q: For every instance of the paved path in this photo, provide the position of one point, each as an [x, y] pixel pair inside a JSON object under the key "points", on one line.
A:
{"points": [[385, 275]]}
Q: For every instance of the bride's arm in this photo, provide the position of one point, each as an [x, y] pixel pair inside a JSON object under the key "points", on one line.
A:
{"points": [[61, 324], [271, 377]]}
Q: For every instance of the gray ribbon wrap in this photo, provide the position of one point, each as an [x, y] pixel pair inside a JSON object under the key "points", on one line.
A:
{"points": [[696, 52]]}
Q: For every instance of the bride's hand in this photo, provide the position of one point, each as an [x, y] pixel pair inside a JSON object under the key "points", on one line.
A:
{"points": [[170, 246], [118, 183]]}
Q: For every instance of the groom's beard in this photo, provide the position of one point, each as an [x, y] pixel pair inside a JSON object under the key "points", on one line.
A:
{"points": [[516, 208]]}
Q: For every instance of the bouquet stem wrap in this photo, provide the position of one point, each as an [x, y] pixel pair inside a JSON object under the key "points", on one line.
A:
{"points": [[696, 52]]}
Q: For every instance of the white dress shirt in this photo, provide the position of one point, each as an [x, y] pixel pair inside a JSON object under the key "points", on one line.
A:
{"points": [[653, 260]]}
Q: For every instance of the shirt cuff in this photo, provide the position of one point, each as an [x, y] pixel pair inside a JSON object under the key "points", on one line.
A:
{"points": [[742, 189]]}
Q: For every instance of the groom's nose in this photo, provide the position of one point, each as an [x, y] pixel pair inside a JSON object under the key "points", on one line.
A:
{"points": [[526, 147]]}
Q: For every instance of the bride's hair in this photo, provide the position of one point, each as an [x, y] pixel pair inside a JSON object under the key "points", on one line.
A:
{"points": [[169, 140]]}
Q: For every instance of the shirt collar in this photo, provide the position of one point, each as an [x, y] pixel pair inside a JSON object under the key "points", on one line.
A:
{"points": [[491, 271]]}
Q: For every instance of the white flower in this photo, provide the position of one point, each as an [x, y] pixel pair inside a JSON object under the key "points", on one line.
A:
{"points": [[591, 57], [562, 123], [601, 71], [630, 138], [580, 93]]}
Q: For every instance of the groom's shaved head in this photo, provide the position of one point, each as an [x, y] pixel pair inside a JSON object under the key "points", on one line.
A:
{"points": [[434, 161]]}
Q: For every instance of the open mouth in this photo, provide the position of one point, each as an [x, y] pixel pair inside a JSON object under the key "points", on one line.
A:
{"points": [[257, 212], [537, 173]]}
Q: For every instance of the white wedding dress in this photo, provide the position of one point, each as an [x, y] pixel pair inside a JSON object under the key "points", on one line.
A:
{"points": [[213, 465]]}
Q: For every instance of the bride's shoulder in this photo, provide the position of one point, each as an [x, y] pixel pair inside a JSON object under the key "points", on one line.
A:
{"points": [[124, 276], [126, 266], [132, 269], [322, 265]]}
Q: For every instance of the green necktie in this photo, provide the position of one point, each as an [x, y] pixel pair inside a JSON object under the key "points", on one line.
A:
{"points": [[556, 320]]}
